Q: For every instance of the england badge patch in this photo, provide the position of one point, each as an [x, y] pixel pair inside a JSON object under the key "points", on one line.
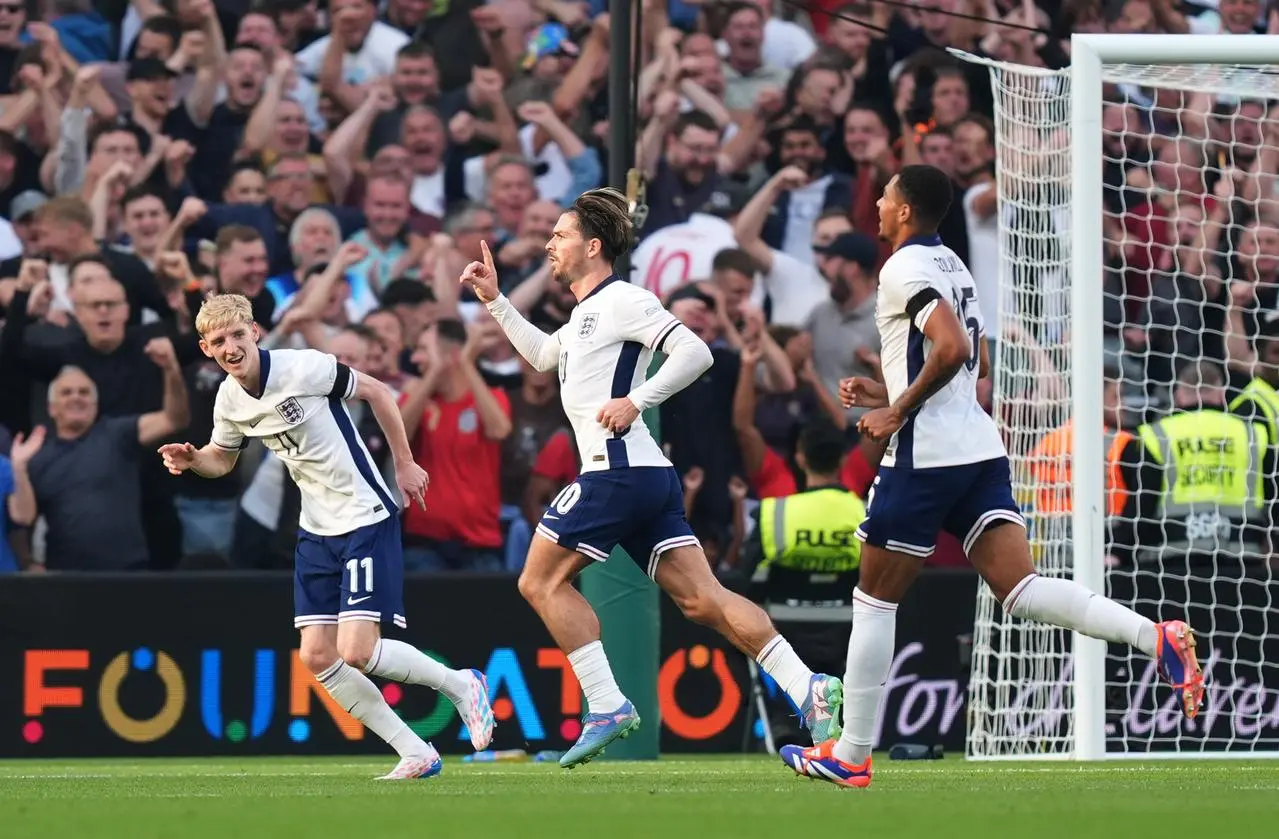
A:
{"points": [[291, 411]]}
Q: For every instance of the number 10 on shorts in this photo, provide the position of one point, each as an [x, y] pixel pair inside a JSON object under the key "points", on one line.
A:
{"points": [[353, 567]]}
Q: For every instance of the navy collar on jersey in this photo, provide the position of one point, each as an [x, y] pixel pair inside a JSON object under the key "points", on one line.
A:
{"points": [[264, 370], [930, 240], [612, 278]]}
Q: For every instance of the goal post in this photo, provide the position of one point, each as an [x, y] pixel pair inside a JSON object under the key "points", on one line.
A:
{"points": [[1038, 692]]}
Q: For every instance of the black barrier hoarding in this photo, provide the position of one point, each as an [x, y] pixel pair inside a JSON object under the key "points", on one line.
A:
{"points": [[207, 665], [1239, 651]]}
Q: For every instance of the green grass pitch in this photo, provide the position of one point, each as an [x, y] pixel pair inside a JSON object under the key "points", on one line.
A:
{"points": [[730, 797]]}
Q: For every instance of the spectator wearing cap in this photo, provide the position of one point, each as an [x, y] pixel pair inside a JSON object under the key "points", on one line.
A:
{"points": [[160, 37], [358, 49], [19, 234], [150, 82], [845, 338], [790, 224], [793, 287]]}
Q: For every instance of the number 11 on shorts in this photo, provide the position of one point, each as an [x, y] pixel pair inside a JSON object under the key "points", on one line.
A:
{"points": [[353, 567]]}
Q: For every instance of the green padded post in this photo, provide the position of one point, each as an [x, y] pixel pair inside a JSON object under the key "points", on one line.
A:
{"points": [[627, 603]]}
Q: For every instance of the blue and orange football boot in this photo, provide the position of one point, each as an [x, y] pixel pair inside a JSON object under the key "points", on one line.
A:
{"points": [[1178, 665], [598, 730], [823, 708], [820, 762]]}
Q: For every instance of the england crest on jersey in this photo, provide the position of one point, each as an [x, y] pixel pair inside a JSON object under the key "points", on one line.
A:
{"points": [[291, 410], [587, 327]]}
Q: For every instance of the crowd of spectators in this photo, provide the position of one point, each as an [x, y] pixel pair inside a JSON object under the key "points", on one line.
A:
{"points": [[340, 162]]}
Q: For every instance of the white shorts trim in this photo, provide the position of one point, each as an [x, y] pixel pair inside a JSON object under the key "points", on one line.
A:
{"points": [[592, 552], [359, 615], [984, 521], [666, 545], [314, 620], [909, 549]]}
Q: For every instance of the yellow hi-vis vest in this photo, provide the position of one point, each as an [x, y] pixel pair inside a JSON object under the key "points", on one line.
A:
{"points": [[812, 531], [1212, 464], [1266, 398]]}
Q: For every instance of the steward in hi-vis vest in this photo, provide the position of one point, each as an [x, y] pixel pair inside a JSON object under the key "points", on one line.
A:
{"points": [[810, 531], [1259, 400], [1197, 486]]}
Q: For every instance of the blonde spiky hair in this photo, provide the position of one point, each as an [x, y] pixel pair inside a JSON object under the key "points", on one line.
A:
{"points": [[221, 311]]}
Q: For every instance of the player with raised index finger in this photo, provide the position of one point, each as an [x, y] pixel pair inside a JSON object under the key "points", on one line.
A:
{"points": [[628, 493]]}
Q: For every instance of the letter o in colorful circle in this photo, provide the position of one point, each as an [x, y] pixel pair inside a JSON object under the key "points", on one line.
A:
{"points": [[149, 730]]}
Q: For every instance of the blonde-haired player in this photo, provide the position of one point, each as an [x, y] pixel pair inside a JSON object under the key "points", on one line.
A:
{"points": [[348, 578]]}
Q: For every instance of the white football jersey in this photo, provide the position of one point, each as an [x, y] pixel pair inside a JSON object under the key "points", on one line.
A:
{"points": [[301, 416], [672, 256], [950, 428], [605, 351]]}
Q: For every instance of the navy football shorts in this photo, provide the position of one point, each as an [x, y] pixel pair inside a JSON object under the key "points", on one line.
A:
{"points": [[355, 576], [907, 508], [640, 508]]}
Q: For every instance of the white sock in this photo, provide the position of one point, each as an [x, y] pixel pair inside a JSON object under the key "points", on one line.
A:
{"points": [[590, 665], [870, 655], [1067, 604], [778, 660], [362, 700], [401, 662]]}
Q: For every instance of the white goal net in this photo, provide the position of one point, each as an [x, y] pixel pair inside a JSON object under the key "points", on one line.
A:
{"points": [[1179, 317]]}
